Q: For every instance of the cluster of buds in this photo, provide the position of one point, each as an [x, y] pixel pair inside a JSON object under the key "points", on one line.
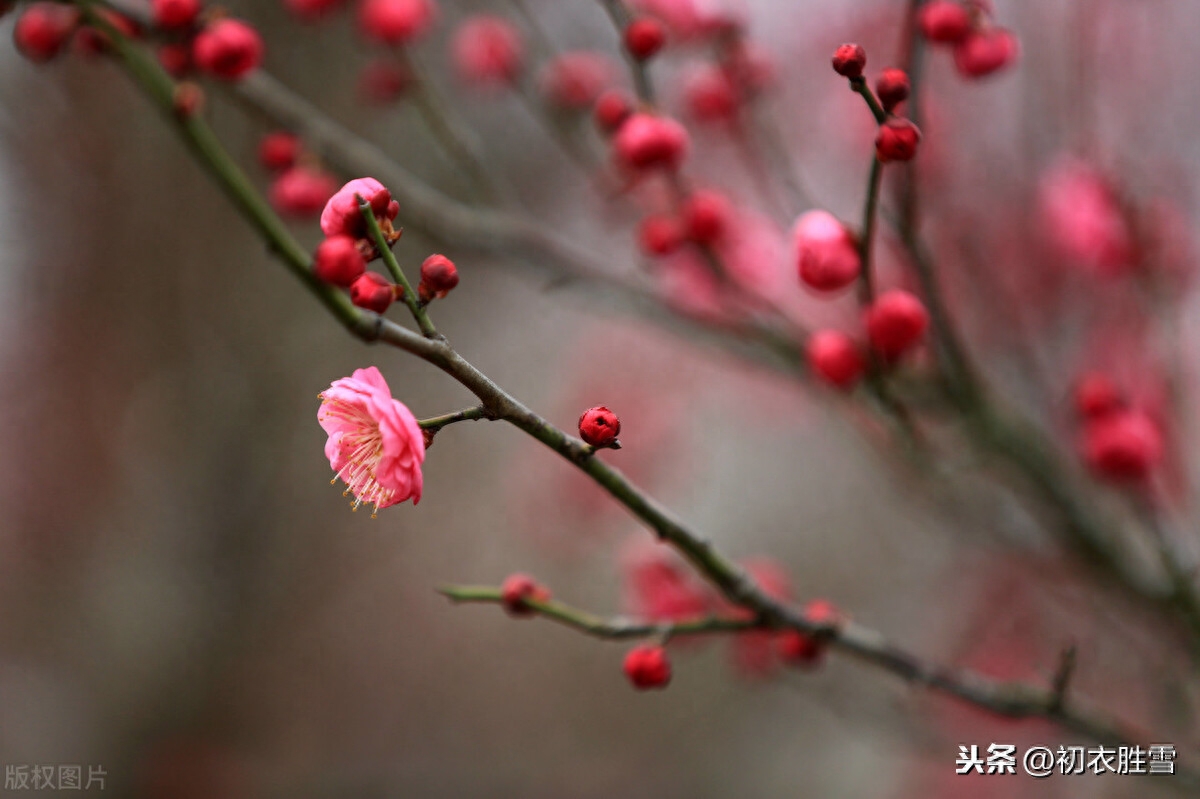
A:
{"points": [[389, 23], [1120, 444], [897, 137], [207, 42], [342, 258], [43, 30], [829, 255], [220, 47], [828, 261], [705, 218], [300, 188], [980, 47], [717, 91]]}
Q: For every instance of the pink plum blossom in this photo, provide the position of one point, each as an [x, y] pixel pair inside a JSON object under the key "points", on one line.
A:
{"points": [[375, 444]]}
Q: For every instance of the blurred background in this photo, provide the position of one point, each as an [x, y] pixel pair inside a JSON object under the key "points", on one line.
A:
{"points": [[186, 601]]}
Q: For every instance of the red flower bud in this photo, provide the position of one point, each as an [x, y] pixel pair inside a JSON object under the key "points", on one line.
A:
{"points": [[599, 427], [488, 51], [516, 589], [896, 322], [228, 49], [944, 21], [646, 141], [834, 357], [1122, 446], [339, 261], [897, 140], [572, 81], [373, 292], [188, 100], [396, 21], [984, 52], [711, 94], [302, 191], [644, 38], [309, 10], [660, 235], [706, 216], [1096, 395], [892, 86], [91, 41], [278, 151], [42, 30], [176, 59], [648, 667], [383, 81], [612, 108], [438, 277], [826, 254], [849, 60], [174, 14], [801, 649]]}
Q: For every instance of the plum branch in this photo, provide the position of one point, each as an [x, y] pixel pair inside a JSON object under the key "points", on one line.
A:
{"points": [[1010, 699]]}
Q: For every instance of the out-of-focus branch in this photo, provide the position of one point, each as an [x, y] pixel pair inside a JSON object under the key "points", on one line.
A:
{"points": [[621, 17], [500, 234], [455, 139], [1003, 433], [1010, 699]]}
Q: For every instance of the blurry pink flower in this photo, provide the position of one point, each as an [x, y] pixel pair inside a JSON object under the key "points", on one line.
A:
{"points": [[690, 19], [1082, 219], [983, 52], [375, 444], [382, 81], [573, 80], [301, 191], [487, 50], [710, 93], [657, 585], [687, 283], [754, 652]]}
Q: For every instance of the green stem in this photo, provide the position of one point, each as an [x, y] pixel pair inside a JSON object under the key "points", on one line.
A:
{"points": [[389, 260], [866, 277], [436, 423], [860, 86], [599, 626], [621, 17]]}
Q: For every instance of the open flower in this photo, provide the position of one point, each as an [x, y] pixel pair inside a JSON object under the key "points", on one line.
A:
{"points": [[375, 444]]}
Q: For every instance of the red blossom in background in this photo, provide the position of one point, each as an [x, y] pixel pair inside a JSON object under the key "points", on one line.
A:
{"points": [[228, 49], [488, 50]]}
